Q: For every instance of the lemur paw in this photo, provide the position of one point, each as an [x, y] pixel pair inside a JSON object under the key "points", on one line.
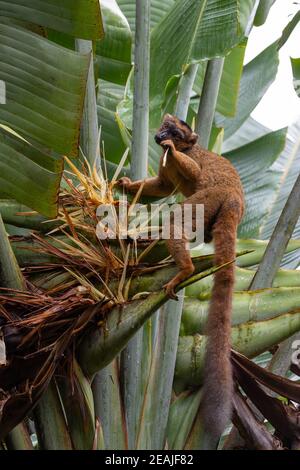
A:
{"points": [[124, 182], [168, 144], [169, 289]]}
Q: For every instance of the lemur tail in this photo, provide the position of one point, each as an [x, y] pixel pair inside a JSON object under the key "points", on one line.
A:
{"points": [[216, 405]]}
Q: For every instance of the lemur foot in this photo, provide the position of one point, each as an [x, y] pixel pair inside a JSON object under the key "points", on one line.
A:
{"points": [[169, 289]]}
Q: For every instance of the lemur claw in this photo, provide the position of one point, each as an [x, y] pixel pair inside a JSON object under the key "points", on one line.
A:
{"points": [[124, 182]]}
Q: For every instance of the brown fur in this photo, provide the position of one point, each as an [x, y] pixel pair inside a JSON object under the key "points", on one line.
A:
{"points": [[203, 178]]}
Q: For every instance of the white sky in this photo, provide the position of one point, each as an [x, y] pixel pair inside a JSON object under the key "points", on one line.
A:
{"points": [[280, 106]]}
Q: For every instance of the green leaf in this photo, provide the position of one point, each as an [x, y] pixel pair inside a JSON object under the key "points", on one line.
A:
{"points": [[251, 130], [18, 215], [74, 17], [246, 10], [296, 74], [247, 306], [50, 421], [109, 96], [253, 162], [10, 273], [288, 164], [250, 339], [262, 11], [257, 248], [192, 31], [230, 81], [113, 53], [158, 11], [29, 175], [78, 405], [256, 79], [243, 278], [289, 29], [109, 407], [181, 417], [45, 88]]}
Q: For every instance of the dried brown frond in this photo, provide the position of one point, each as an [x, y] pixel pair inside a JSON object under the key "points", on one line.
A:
{"points": [[82, 278]]}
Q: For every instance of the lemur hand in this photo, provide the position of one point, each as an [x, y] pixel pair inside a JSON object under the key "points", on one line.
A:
{"points": [[168, 144], [124, 182]]}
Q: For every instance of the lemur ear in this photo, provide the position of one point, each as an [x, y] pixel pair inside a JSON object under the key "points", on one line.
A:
{"points": [[194, 138], [167, 117]]}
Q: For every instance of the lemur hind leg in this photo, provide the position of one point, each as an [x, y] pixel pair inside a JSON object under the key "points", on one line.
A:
{"points": [[178, 246]]}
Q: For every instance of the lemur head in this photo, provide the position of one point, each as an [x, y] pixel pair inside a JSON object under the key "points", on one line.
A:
{"points": [[178, 131]]}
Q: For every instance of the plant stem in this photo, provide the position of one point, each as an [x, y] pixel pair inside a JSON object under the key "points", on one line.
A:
{"points": [[108, 406], [19, 439], [140, 124], [155, 413], [12, 278], [208, 100], [50, 421], [185, 90], [131, 359]]}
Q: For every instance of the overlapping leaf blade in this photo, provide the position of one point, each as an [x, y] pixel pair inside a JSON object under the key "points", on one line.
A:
{"points": [[289, 164], [113, 53], [76, 17], [22, 166], [253, 161], [257, 77], [45, 87]]}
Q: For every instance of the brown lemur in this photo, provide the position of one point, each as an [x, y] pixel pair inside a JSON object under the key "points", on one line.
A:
{"points": [[204, 178]]}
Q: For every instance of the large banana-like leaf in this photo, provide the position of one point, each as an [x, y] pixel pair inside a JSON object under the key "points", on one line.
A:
{"points": [[109, 96], [256, 79], [249, 131], [262, 11], [158, 11], [288, 164], [113, 53], [74, 17], [230, 82], [192, 31], [253, 162], [296, 73], [45, 86], [22, 166]]}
